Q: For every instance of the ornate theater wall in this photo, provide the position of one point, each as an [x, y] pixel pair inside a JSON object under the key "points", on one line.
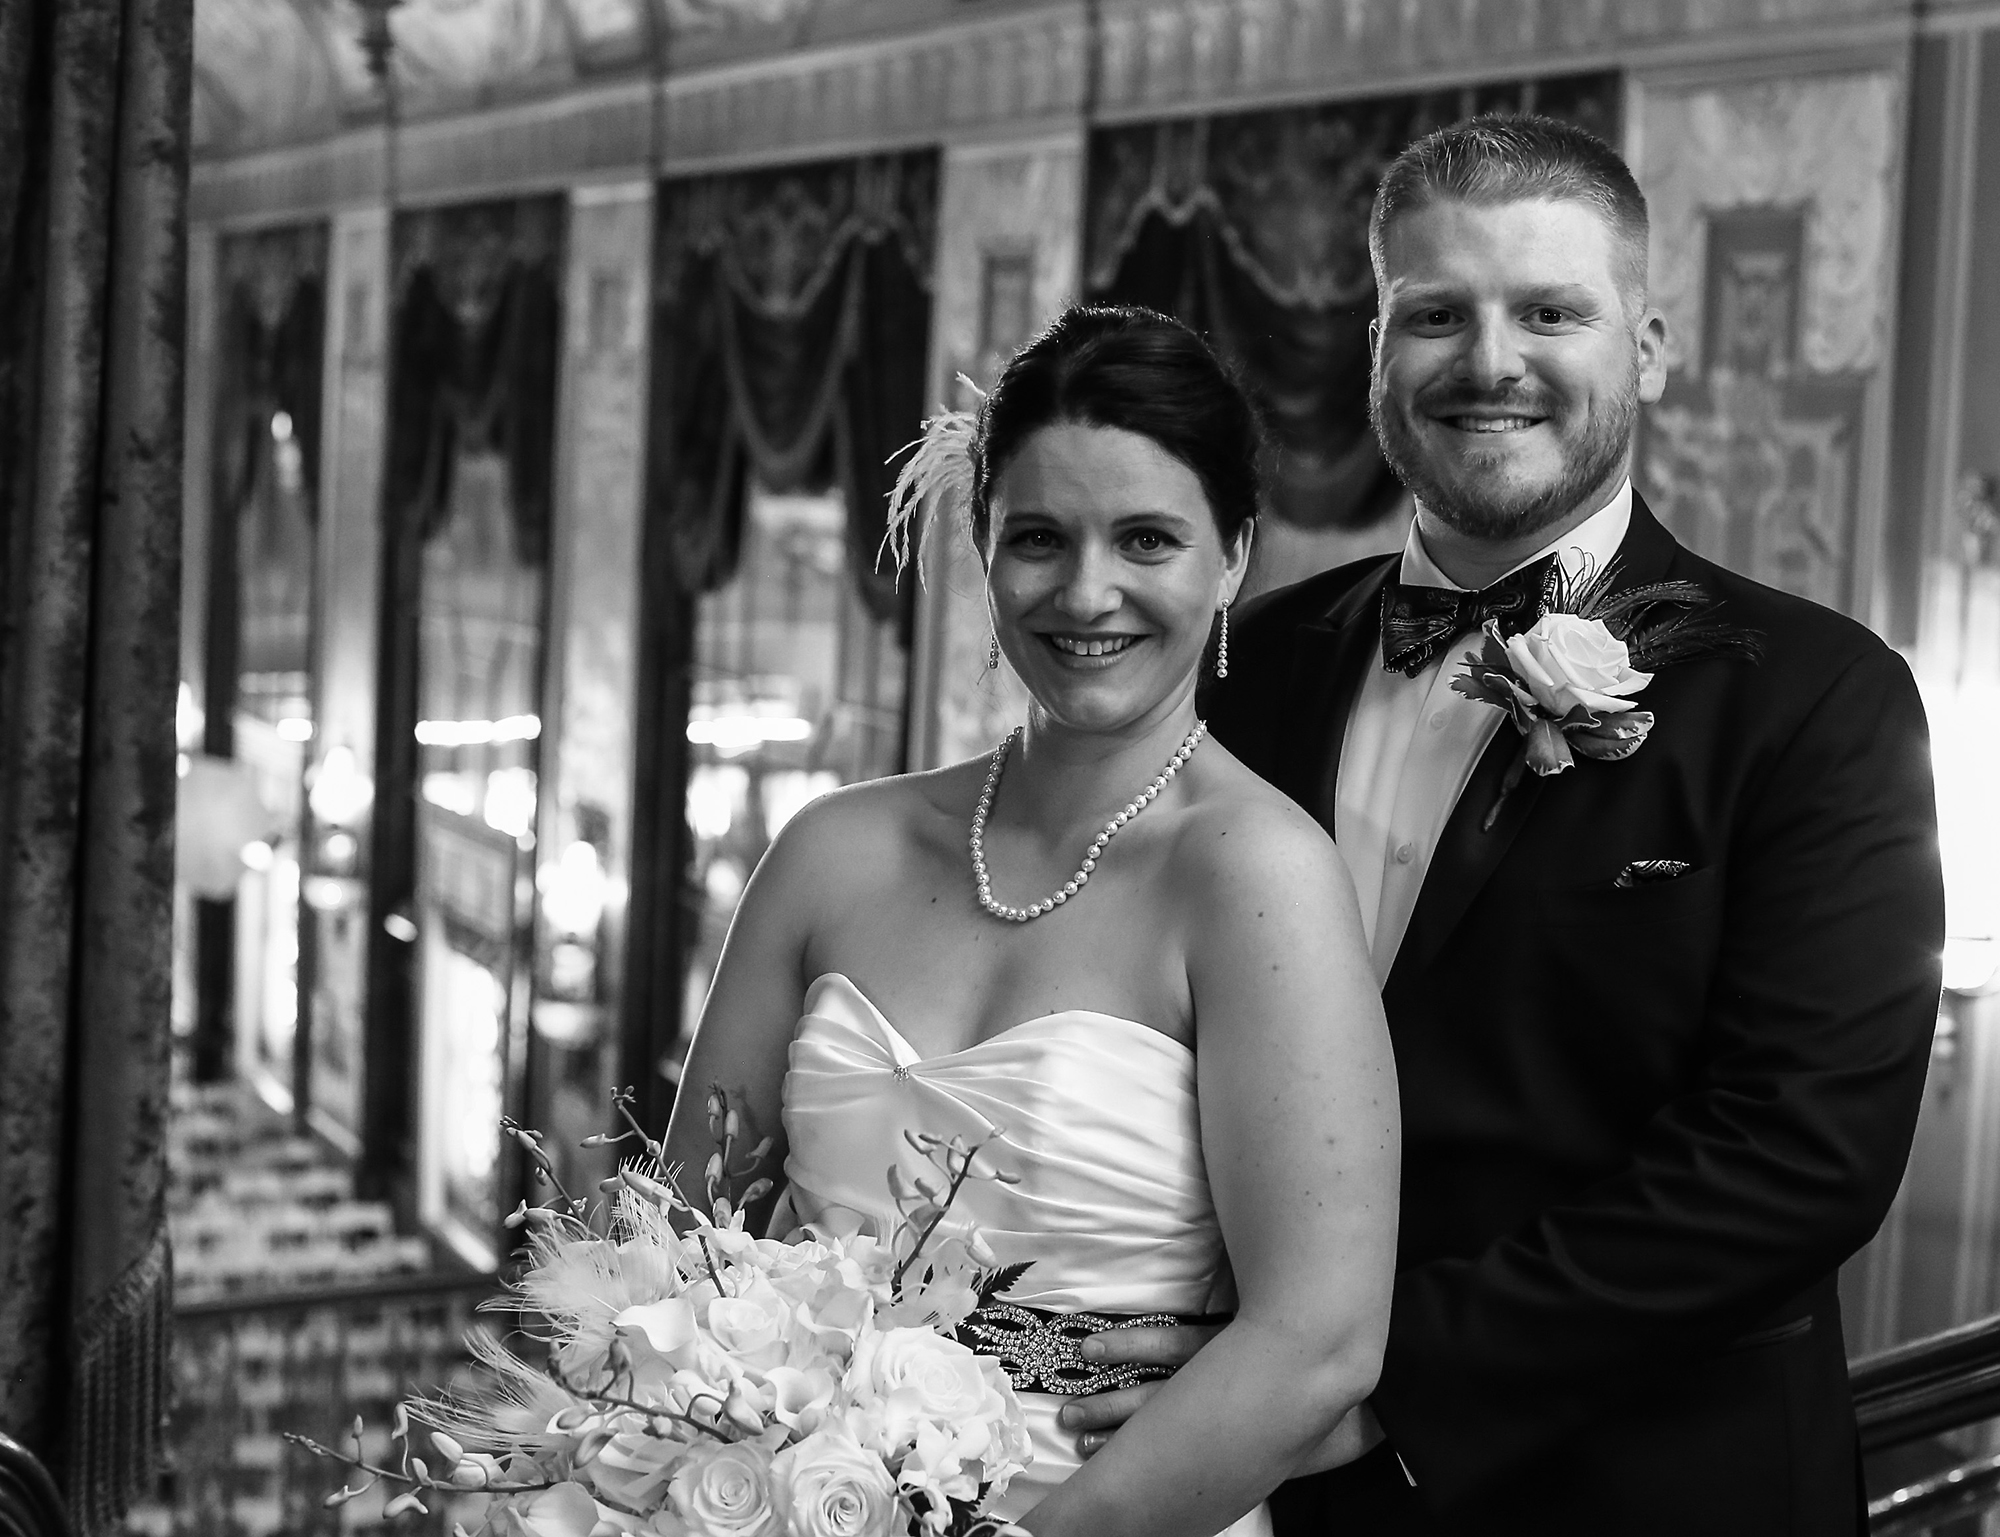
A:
{"points": [[1774, 202], [1006, 263]]}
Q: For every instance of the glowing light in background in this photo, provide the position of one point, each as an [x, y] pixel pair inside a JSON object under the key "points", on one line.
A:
{"points": [[733, 734], [477, 733], [1965, 756], [458, 793], [189, 720], [340, 793], [717, 794], [510, 801], [573, 890], [294, 728], [787, 793]]}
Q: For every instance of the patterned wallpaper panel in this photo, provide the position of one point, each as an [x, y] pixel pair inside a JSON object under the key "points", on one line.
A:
{"points": [[1773, 204]]}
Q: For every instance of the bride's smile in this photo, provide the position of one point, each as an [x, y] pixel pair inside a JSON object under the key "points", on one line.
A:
{"points": [[1102, 649]]}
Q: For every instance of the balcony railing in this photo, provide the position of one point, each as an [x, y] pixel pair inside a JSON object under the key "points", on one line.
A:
{"points": [[249, 1368], [1925, 1389]]}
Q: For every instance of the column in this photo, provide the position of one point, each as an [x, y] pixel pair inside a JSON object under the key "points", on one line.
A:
{"points": [[1007, 263], [334, 965], [589, 696]]}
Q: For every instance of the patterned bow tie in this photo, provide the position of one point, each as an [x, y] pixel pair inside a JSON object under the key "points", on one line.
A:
{"points": [[1419, 622]]}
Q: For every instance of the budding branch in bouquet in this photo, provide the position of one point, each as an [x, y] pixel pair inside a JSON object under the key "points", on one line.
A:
{"points": [[704, 1382]]}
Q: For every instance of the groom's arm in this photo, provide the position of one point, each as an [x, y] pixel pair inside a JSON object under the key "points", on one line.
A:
{"points": [[1748, 1190]]}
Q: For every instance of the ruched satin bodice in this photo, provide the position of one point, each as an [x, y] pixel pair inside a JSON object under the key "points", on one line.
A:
{"points": [[1099, 1121]]}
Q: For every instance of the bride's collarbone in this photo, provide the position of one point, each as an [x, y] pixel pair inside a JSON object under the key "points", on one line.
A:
{"points": [[949, 975]]}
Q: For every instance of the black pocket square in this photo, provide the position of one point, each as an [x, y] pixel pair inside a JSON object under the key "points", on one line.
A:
{"points": [[1644, 872]]}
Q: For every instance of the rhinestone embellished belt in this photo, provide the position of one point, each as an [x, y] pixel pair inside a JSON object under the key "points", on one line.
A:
{"points": [[1041, 1351]]}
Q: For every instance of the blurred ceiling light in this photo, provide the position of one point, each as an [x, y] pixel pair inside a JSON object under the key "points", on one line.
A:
{"points": [[340, 793], [573, 890], [295, 728], [785, 795], [510, 801], [281, 426], [458, 793], [717, 793], [740, 733], [477, 733], [340, 851]]}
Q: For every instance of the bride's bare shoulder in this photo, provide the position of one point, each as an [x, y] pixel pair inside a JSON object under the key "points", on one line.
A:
{"points": [[1246, 833], [1267, 891]]}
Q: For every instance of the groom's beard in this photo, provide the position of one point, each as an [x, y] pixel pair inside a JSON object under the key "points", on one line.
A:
{"points": [[1478, 504]]}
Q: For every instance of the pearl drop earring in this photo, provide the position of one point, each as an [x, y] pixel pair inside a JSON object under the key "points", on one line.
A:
{"points": [[1222, 645]]}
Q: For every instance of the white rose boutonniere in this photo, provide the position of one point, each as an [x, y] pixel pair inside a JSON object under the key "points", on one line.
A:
{"points": [[1568, 682]]}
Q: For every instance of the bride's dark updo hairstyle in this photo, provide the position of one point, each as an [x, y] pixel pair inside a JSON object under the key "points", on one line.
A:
{"points": [[1101, 365]]}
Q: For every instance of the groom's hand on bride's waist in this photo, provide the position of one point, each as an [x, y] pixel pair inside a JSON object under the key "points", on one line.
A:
{"points": [[1098, 1414]]}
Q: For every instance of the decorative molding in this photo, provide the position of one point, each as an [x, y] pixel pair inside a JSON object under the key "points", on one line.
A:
{"points": [[939, 77]]}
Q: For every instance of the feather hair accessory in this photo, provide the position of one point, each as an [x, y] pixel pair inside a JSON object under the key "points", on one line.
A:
{"points": [[938, 471]]}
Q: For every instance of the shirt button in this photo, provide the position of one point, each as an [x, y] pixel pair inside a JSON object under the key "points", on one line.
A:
{"points": [[1437, 720], [1405, 852]]}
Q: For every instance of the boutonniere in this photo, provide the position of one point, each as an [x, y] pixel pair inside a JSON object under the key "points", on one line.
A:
{"points": [[1568, 683]]}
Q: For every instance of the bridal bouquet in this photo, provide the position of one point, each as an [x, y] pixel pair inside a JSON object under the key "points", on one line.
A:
{"points": [[702, 1382]]}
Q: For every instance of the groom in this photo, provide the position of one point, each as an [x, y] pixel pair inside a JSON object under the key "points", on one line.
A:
{"points": [[1661, 1023]]}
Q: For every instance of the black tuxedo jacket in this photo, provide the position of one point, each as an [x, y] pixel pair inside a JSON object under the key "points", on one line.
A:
{"points": [[1642, 1127]]}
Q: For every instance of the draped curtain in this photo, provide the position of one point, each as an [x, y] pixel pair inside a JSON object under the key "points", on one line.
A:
{"points": [[476, 332], [791, 331], [268, 357], [1253, 228], [791, 334], [93, 187]]}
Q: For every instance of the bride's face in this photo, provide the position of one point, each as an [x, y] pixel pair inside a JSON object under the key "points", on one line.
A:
{"points": [[1103, 574]]}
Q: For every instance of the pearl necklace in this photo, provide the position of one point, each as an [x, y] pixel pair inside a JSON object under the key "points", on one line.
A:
{"points": [[1075, 883]]}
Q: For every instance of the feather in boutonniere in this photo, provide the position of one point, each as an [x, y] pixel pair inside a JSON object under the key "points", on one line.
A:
{"points": [[1568, 683]]}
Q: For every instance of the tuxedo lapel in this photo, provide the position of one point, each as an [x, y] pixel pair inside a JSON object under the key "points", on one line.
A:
{"points": [[1468, 852], [1329, 659]]}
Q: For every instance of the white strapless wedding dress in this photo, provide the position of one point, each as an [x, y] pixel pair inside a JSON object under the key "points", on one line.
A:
{"points": [[1099, 1113]]}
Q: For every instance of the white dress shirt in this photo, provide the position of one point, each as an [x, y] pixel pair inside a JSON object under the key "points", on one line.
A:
{"points": [[1412, 743]]}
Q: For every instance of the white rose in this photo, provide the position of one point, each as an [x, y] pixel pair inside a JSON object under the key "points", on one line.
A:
{"points": [[1567, 661], [905, 1378], [752, 1327], [727, 1491], [835, 1488]]}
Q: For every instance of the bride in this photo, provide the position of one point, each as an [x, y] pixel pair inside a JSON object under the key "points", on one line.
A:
{"points": [[1113, 942]]}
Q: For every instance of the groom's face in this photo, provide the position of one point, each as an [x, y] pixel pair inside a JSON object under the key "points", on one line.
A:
{"points": [[1512, 353]]}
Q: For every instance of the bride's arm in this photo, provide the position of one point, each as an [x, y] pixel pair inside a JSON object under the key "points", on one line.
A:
{"points": [[1301, 1135], [753, 1005]]}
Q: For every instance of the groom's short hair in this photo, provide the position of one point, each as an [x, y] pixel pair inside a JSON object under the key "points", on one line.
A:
{"points": [[1511, 157]]}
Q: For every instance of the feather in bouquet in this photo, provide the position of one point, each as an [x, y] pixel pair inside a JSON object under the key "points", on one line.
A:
{"points": [[702, 1382]]}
